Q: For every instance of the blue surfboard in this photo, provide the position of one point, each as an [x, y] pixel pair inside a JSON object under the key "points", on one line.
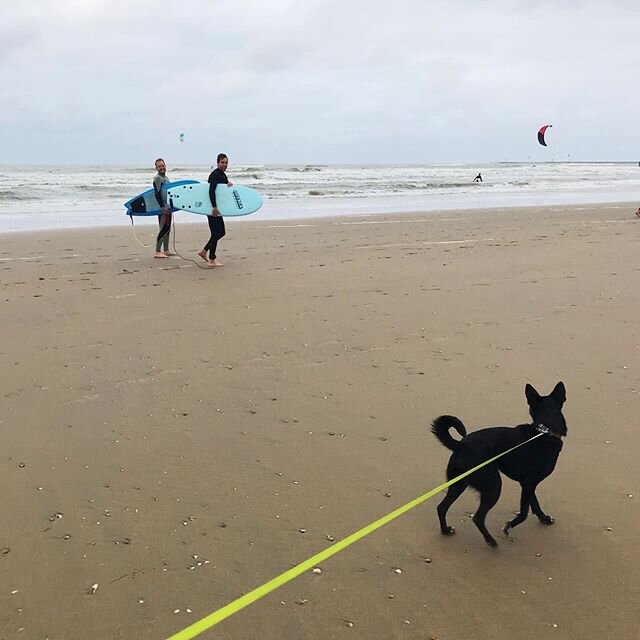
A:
{"points": [[231, 201], [145, 204]]}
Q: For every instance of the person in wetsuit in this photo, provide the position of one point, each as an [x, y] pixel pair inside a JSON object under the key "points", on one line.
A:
{"points": [[164, 219], [215, 219], [478, 178]]}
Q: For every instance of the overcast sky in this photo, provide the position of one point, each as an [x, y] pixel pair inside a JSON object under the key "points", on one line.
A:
{"points": [[318, 81]]}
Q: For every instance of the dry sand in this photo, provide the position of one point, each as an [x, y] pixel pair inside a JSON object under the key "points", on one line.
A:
{"points": [[167, 431]]}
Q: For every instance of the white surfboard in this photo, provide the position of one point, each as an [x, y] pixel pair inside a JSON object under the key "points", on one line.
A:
{"points": [[231, 201]]}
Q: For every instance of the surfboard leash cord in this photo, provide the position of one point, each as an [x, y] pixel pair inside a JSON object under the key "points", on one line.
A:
{"points": [[135, 235], [173, 226]]}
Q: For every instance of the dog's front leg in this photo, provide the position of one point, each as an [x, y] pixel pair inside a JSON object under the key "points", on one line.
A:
{"points": [[528, 493], [538, 512]]}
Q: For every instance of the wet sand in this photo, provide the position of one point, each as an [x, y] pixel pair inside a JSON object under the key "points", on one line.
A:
{"points": [[168, 432]]}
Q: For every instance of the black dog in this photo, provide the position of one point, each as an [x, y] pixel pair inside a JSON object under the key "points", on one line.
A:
{"points": [[529, 465]]}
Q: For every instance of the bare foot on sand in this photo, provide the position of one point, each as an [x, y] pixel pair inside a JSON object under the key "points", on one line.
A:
{"points": [[159, 255], [203, 255], [216, 263], [169, 254]]}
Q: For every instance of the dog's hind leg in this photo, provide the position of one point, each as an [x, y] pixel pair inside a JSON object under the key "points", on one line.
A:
{"points": [[545, 518], [489, 494], [453, 493]]}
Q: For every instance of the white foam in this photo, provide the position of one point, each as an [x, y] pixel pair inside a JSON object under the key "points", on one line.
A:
{"points": [[71, 197]]}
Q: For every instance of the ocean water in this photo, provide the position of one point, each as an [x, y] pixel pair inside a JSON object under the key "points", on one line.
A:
{"points": [[61, 197]]}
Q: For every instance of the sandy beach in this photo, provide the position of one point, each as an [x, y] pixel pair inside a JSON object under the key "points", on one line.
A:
{"points": [[178, 435]]}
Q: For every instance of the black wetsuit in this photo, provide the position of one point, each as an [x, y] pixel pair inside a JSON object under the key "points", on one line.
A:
{"points": [[216, 223]]}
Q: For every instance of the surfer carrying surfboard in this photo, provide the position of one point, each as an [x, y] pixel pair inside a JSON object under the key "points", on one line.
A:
{"points": [[164, 219], [215, 219]]}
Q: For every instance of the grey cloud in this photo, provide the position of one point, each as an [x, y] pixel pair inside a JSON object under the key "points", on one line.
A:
{"points": [[422, 80], [16, 40]]}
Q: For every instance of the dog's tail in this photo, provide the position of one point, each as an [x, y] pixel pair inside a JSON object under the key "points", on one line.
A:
{"points": [[440, 429]]}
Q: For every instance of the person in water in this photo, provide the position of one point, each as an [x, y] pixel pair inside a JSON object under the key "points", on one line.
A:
{"points": [[215, 219], [164, 219], [478, 178]]}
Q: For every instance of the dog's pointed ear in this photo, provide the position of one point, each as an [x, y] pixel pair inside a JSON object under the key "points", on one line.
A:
{"points": [[559, 393], [532, 395]]}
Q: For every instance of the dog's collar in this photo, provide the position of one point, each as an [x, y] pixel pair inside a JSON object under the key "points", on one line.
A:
{"points": [[542, 429]]}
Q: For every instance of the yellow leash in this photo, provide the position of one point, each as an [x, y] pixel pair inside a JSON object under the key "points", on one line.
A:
{"points": [[244, 601]]}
